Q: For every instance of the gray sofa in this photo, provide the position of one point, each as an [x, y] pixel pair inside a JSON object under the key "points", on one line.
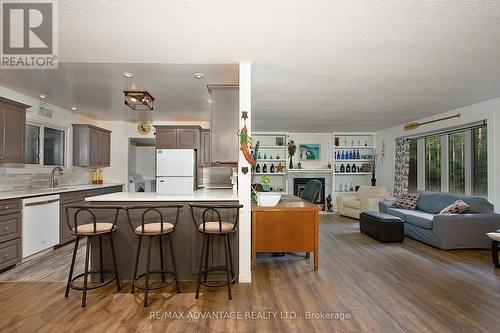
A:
{"points": [[459, 231]]}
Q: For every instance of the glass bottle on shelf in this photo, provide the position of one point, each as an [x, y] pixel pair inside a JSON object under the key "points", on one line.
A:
{"points": [[352, 142], [357, 155], [265, 156], [345, 186], [342, 168], [264, 168], [342, 156], [351, 189], [348, 168], [350, 155], [345, 142], [272, 168], [257, 168], [359, 143], [353, 169], [366, 143], [259, 157]]}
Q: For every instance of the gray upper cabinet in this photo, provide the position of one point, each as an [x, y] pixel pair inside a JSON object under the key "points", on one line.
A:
{"points": [[205, 148], [91, 146], [12, 129], [178, 137], [225, 123]]}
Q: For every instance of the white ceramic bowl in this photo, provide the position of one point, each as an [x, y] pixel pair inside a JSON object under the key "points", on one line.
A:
{"points": [[265, 199]]}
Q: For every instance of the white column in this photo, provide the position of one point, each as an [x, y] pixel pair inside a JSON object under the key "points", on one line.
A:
{"points": [[244, 180]]}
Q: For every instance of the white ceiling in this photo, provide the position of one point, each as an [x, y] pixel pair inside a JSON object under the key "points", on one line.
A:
{"points": [[322, 65], [97, 89]]}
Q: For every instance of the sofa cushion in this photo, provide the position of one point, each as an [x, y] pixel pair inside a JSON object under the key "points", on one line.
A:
{"points": [[356, 204], [458, 207], [407, 201], [399, 212], [367, 192], [435, 202], [420, 219]]}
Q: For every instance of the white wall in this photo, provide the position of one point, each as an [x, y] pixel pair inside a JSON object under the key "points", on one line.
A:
{"points": [[145, 162], [489, 110], [326, 149]]}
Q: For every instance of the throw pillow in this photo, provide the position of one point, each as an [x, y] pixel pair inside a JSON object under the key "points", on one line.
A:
{"points": [[407, 201], [458, 207]]}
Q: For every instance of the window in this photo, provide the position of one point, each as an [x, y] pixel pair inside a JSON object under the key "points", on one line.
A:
{"points": [[433, 164], [32, 145], [412, 175], [53, 146], [44, 145], [456, 153], [455, 162], [480, 162]]}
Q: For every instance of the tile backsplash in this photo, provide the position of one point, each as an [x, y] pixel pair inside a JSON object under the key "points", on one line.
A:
{"points": [[12, 181]]}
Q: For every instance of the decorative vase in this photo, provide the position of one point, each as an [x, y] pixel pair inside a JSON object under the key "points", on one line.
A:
{"points": [[290, 166]]}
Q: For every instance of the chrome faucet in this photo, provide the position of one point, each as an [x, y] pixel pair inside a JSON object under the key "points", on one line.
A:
{"points": [[53, 180]]}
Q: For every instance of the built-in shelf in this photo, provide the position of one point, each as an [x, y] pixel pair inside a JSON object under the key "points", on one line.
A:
{"points": [[360, 160], [353, 147], [271, 160], [272, 147], [268, 173], [310, 170], [352, 173]]}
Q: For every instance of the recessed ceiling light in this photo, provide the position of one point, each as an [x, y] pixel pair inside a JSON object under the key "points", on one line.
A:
{"points": [[128, 75], [199, 76], [43, 96], [209, 101], [73, 108]]}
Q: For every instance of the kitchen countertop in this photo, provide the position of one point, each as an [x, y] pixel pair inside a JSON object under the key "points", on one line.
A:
{"points": [[47, 191], [199, 195]]}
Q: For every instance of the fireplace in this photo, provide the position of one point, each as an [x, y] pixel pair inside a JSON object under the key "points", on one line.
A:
{"points": [[300, 183]]}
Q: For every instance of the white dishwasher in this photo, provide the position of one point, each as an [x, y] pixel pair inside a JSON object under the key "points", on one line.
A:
{"points": [[40, 224]]}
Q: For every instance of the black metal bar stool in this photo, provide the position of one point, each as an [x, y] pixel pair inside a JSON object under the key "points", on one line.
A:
{"points": [[91, 229], [153, 224], [208, 221]]}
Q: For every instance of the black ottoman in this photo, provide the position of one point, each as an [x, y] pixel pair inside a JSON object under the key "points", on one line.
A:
{"points": [[383, 227]]}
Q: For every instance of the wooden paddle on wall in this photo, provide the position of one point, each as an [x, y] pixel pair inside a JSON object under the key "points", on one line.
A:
{"points": [[415, 125]]}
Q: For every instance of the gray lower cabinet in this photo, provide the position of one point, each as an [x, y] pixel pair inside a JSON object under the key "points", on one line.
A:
{"points": [[177, 137], [12, 128], [10, 232], [91, 146]]}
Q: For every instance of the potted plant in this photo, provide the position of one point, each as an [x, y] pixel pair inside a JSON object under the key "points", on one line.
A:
{"points": [[292, 148]]}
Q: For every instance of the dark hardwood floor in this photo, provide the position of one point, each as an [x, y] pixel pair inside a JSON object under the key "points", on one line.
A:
{"points": [[407, 287]]}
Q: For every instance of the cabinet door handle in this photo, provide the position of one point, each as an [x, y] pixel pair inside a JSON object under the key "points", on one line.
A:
{"points": [[6, 229], [6, 207]]}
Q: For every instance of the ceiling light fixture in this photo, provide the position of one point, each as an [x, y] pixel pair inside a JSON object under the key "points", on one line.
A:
{"points": [[43, 96], [139, 100], [128, 75], [73, 108], [199, 76]]}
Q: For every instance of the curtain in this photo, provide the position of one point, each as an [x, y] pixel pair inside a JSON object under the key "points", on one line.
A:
{"points": [[402, 166]]}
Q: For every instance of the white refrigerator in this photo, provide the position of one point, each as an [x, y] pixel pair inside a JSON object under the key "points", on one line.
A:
{"points": [[175, 171]]}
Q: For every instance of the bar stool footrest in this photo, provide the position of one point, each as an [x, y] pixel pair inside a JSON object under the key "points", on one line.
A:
{"points": [[220, 269], [170, 279], [73, 286]]}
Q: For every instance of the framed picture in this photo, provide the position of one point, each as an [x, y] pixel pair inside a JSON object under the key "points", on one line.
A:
{"points": [[309, 151]]}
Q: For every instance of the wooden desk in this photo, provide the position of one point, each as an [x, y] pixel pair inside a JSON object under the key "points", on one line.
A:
{"points": [[291, 226]]}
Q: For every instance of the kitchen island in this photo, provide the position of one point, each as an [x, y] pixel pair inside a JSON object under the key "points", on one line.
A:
{"points": [[186, 240]]}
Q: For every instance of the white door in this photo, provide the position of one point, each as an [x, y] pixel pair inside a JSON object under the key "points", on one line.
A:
{"points": [[175, 162], [174, 185]]}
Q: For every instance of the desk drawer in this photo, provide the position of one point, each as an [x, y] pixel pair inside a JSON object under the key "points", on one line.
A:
{"points": [[10, 253], [10, 206], [10, 227]]}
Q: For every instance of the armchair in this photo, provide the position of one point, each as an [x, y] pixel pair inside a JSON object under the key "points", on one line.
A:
{"points": [[365, 199]]}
